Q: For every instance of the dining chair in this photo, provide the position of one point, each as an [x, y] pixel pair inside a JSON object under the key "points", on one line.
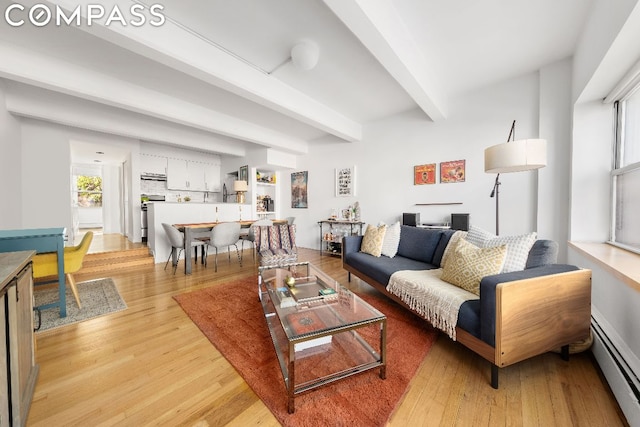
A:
{"points": [[250, 235], [176, 239], [46, 264], [225, 234]]}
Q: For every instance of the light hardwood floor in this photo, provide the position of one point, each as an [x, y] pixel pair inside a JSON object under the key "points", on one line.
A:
{"points": [[151, 365]]}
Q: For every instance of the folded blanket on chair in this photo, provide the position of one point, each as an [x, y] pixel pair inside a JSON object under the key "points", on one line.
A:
{"points": [[435, 300]]}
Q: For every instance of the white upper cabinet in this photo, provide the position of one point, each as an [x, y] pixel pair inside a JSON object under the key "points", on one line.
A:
{"points": [[212, 178], [177, 176], [151, 164], [192, 176]]}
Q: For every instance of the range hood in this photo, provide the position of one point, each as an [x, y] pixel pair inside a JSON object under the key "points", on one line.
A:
{"points": [[153, 177]]}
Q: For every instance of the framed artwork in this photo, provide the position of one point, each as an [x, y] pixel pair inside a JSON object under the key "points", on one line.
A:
{"points": [[299, 189], [346, 181], [424, 174], [243, 174], [453, 171]]}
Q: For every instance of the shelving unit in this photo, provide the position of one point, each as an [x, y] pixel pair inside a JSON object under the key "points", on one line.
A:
{"points": [[331, 241], [266, 194]]}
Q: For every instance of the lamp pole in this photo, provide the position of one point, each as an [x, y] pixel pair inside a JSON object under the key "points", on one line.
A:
{"points": [[495, 193], [496, 186]]}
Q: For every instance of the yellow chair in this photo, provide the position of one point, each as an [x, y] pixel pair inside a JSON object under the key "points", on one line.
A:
{"points": [[46, 265]]}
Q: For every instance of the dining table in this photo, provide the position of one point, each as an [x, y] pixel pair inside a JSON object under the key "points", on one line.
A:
{"points": [[191, 230]]}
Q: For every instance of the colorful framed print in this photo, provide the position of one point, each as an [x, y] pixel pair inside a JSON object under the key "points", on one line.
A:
{"points": [[453, 171], [424, 174], [299, 189]]}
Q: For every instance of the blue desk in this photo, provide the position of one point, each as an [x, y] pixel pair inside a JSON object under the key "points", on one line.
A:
{"points": [[40, 240]]}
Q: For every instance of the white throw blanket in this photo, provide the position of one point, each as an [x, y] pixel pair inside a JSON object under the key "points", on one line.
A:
{"points": [[434, 299]]}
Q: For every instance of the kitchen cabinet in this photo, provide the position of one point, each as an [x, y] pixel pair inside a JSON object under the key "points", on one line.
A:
{"points": [[212, 178], [192, 176], [16, 319], [154, 165]]}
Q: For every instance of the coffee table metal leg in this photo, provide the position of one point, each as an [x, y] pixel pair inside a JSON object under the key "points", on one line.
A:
{"points": [[291, 374], [383, 349]]}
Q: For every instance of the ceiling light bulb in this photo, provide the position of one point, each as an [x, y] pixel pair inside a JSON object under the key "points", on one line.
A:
{"points": [[305, 55]]}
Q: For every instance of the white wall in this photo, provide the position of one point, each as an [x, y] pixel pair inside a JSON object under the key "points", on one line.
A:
{"points": [[392, 147], [45, 178], [112, 198], [11, 195], [554, 189]]}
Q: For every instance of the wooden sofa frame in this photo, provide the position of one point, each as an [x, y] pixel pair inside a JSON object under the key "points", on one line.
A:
{"points": [[526, 312]]}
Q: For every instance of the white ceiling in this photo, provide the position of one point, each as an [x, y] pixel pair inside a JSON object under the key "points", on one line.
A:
{"points": [[210, 66]]}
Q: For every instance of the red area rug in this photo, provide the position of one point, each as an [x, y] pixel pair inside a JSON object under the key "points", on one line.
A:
{"points": [[231, 316]]}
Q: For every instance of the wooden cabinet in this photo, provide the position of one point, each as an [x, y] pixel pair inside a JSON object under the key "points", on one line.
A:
{"points": [[19, 351], [192, 176]]}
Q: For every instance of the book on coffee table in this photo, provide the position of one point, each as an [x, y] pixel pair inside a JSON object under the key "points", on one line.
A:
{"points": [[303, 322]]}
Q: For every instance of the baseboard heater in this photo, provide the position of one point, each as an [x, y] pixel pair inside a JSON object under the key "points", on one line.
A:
{"points": [[620, 375]]}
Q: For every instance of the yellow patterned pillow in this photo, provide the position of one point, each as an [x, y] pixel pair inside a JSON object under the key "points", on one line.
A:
{"points": [[468, 264], [451, 246], [373, 239]]}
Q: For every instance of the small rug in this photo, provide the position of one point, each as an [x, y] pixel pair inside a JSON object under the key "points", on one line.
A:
{"points": [[231, 317], [98, 297]]}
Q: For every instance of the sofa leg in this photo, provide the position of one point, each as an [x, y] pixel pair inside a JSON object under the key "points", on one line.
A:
{"points": [[494, 376], [564, 352], [349, 276]]}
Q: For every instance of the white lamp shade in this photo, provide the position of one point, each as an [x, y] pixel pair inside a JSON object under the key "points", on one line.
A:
{"points": [[305, 55], [516, 156], [240, 186]]}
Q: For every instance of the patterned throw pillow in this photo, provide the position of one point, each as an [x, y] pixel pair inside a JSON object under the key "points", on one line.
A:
{"points": [[372, 240], [451, 246], [468, 264], [391, 240], [518, 247]]}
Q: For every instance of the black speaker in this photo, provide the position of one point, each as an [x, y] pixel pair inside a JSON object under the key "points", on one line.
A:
{"points": [[412, 219], [460, 222]]}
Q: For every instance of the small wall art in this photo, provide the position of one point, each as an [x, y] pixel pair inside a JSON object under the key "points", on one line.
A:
{"points": [[424, 174], [346, 181], [243, 173], [453, 171], [299, 189]]}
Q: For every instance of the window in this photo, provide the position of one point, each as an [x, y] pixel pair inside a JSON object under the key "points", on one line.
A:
{"points": [[89, 191], [625, 175]]}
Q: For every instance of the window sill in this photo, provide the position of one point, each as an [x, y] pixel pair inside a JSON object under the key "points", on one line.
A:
{"points": [[624, 265]]}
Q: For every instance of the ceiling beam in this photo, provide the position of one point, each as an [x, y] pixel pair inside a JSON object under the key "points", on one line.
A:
{"points": [[381, 29], [54, 107], [59, 76], [175, 46]]}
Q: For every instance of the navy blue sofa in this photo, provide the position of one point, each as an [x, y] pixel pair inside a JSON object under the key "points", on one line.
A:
{"points": [[519, 314]]}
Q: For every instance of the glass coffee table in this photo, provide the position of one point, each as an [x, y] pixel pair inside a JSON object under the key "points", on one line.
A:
{"points": [[321, 331]]}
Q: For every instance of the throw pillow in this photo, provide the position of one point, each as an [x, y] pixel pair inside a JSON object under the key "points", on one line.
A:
{"points": [[478, 236], [518, 247], [451, 246], [391, 240], [468, 264], [372, 240]]}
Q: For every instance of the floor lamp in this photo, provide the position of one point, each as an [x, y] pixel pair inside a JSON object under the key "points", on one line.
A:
{"points": [[513, 156]]}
